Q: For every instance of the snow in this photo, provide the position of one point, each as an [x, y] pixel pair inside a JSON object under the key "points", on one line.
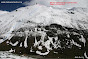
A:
{"points": [[15, 44], [38, 52], [1, 40], [76, 43], [25, 42], [31, 50], [7, 55], [85, 55], [3, 12], [21, 44], [47, 45], [11, 50], [39, 14], [82, 39], [36, 43], [40, 47], [45, 15]]}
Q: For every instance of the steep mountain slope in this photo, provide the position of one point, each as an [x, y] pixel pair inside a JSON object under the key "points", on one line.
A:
{"points": [[45, 31], [45, 15]]}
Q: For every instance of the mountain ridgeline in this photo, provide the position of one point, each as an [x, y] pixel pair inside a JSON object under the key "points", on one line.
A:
{"points": [[45, 31]]}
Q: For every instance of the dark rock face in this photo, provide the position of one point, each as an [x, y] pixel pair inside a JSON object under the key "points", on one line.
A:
{"points": [[51, 41]]}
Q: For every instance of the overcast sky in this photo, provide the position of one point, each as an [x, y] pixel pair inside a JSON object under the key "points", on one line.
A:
{"points": [[80, 3]]}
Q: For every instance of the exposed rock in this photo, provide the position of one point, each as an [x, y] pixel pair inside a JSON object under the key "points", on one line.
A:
{"points": [[53, 41]]}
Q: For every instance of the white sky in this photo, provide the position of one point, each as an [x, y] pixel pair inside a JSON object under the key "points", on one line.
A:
{"points": [[80, 3]]}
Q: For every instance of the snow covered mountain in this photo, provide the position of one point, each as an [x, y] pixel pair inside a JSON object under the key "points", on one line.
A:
{"points": [[75, 17], [3, 12], [46, 31]]}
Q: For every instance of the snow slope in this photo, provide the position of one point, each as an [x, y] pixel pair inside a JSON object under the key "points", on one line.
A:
{"points": [[46, 15], [3, 12], [7, 55], [22, 24]]}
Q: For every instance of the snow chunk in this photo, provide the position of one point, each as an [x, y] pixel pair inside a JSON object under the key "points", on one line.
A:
{"points": [[21, 44], [14, 43], [40, 47], [76, 43], [82, 39], [38, 52], [11, 50], [25, 42], [85, 55]]}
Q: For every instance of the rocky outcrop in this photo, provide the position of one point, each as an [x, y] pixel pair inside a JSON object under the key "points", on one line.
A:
{"points": [[51, 40]]}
